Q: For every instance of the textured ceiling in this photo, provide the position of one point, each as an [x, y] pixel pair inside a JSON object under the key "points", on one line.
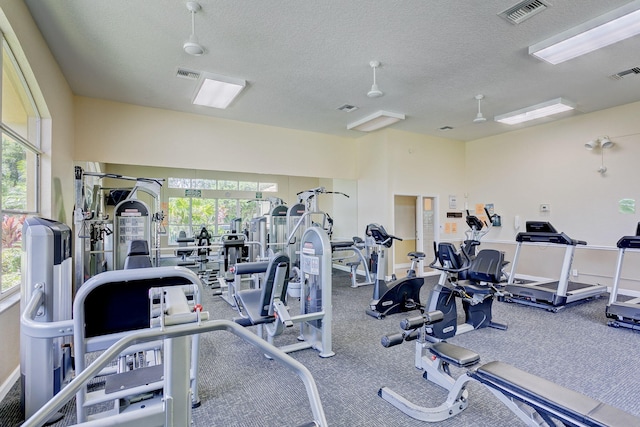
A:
{"points": [[304, 59]]}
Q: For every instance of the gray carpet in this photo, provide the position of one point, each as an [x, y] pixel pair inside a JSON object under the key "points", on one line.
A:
{"points": [[239, 387]]}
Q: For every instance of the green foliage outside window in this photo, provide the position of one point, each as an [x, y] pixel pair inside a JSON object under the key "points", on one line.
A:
{"points": [[11, 250], [14, 176]]}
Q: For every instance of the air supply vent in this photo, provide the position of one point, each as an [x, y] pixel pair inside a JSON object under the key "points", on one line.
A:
{"points": [[347, 108], [183, 73], [621, 74], [523, 10]]}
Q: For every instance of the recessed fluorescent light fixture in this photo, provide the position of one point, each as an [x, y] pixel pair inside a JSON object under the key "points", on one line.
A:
{"points": [[612, 27], [376, 121], [538, 111], [218, 91]]}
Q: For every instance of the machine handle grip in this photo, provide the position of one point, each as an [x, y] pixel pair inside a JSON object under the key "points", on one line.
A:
{"points": [[489, 217]]}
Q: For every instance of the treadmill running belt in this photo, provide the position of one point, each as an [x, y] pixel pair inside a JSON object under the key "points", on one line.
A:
{"points": [[572, 286]]}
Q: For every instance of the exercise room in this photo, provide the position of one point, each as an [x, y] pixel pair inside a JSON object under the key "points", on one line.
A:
{"points": [[319, 214]]}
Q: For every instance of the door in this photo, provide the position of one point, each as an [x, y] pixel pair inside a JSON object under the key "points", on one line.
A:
{"points": [[428, 225], [404, 227]]}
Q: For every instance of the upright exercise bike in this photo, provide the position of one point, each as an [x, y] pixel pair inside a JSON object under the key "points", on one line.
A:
{"points": [[399, 295]]}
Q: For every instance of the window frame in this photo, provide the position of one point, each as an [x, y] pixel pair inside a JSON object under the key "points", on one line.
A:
{"points": [[31, 143]]}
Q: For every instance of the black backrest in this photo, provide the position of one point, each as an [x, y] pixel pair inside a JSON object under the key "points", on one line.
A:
{"points": [[137, 247], [204, 241], [122, 306], [487, 266], [267, 287], [447, 255]]}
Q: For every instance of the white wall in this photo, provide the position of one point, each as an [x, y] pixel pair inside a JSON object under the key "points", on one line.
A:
{"points": [[548, 164]]}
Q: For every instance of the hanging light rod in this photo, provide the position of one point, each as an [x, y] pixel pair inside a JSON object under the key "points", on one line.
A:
{"points": [[191, 46], [607, 29], [374, 92]]}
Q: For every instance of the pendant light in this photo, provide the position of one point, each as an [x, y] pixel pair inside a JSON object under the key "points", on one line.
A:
{"points": [[191, 46], [479, 118], [374, 92]]}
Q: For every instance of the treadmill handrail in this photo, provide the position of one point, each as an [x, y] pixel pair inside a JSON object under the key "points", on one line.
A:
{"points": [[555, 238]]}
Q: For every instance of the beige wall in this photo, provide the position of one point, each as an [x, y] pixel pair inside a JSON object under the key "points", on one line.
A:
{"points": [[55, 103], [520, 170], [112, 132], [393, 163]]}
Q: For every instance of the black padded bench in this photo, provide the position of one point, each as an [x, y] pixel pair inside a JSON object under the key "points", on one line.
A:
{"points": [[550, 400], [455, 355]]}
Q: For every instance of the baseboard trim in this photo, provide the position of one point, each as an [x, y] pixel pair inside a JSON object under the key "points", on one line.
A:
{"points": [[9, 382]]}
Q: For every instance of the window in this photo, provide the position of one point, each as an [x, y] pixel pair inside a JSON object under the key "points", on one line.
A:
{"points": [[20, 128], [215, 209], [227, 185], [203, 184], [190, 214], [268, 187], [248, 186]]}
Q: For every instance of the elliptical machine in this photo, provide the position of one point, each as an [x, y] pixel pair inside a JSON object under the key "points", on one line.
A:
{"points": [[477, 292], [397, 296]]}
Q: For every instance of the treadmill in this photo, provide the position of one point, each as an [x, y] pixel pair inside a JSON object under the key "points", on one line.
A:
{"points": [[625, 314], [552, 295]]}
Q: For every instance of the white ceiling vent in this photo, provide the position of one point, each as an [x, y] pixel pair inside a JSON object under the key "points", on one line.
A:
{"points": [[183, 73], [523, 10], [621, 74], [347, 108]]}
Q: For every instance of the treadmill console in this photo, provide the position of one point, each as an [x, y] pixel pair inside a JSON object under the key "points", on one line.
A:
{"points": [[630, 242], [540, 227]]}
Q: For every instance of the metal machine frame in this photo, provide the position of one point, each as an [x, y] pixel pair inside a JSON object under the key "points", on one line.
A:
{"points": [[624, 314], [86, 217]]}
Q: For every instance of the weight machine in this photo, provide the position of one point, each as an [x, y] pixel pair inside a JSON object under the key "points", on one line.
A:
{"points": [[176, 322], [100, 243]]}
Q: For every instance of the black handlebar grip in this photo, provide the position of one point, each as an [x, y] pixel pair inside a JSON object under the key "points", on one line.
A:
{"points": [[391, 340], [412, 323]]}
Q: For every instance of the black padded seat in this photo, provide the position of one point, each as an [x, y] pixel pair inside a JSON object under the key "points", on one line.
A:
{"points": [[341, 244], [545, 395], [473, 288], [416, 255], [184, 250], [455, 355], [252, 308]]}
